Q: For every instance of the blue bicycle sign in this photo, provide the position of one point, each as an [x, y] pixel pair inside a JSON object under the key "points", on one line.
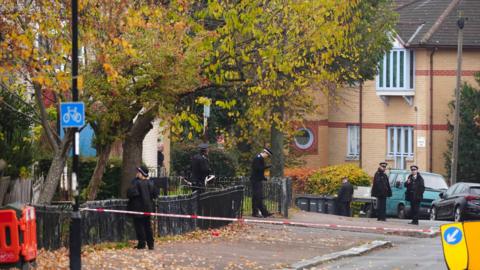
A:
{"points": [[72, 114]]}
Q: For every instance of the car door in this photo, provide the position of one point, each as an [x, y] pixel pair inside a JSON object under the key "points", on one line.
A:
{"points": [[448, 199]]}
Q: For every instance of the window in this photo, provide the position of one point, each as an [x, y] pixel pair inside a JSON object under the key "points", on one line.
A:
{"points": [[396, 70], [353, 141], [391, 178], [400, 145], [304, 138], [451, 190]]}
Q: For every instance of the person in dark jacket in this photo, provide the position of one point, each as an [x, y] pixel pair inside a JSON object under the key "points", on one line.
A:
{"points": [[256, 178], [381, 190], [141, 194], [414, 194], [345, 196], [200, 168]]}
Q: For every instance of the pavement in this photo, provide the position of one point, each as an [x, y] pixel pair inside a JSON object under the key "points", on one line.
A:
{"points": [[266, 246]]}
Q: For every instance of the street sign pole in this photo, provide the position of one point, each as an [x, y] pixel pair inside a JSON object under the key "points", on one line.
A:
{"points": [[75, 223], [456, 123]]}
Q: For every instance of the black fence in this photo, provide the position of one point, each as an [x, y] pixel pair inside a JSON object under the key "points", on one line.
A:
{"points": [[277, 192], [97, 227]]}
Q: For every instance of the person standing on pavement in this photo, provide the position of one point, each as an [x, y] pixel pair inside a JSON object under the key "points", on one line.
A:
{"points": [[414, 194], [257, 177], [381, 190], [345, 196], [140, 199], [200, 167]]}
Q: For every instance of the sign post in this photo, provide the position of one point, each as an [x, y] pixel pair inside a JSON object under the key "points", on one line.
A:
{"points": [[75, 115]]}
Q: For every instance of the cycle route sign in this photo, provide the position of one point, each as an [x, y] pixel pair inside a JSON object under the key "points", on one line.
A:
{"points": [[72, 114]]}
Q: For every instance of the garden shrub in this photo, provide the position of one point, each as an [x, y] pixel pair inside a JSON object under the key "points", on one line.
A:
{"points": [[299, 178], [327, 181]]}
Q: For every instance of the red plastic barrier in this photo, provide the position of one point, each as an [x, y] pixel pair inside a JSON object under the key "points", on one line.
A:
{"points": [[9, 250], [28, 226]]}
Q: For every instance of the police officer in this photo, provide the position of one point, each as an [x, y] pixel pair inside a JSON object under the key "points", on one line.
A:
{"points": [[257, 177], [414, 193], [381, 190], [200, 168], [141, 194], [345, 196]]}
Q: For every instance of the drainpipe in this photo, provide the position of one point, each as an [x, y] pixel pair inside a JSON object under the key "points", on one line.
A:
{"points": [[361, 123], [430, 145]]}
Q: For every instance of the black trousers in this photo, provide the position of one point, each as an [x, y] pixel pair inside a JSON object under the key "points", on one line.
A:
{"points": [[381, 208], [143, 230], [344, 209], [415, 207], [257, 199]]}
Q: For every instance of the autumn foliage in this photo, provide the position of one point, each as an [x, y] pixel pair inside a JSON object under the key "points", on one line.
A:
{"points": [[326, 180], [299, 178]]}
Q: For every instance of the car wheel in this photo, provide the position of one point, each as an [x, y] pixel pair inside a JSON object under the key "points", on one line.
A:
{"points": [[433, 213], [458, 214], [401, 212]]}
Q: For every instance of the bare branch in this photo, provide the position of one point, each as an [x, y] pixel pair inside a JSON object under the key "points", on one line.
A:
{"points": [[13, 109], [53, 139]]}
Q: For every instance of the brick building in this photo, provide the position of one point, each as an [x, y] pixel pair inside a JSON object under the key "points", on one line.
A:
{"points": [[401, 116]]}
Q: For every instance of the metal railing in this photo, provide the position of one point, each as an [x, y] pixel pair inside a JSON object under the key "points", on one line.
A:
{"points": [[53, 220]]}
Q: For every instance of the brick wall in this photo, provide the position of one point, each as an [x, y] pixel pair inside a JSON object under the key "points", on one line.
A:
{"points": [[378, 115]]}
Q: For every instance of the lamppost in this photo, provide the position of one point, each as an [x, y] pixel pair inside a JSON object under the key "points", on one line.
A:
{"points": [[456, 129], [75, 222]]}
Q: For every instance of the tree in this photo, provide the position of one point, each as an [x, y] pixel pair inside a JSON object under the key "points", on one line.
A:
{"points": [[16, 140], [147, 55], [469, 138], [279, 52], [138, 56], [34, 49]]}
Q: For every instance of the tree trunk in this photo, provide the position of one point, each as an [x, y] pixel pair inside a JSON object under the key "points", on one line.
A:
{"points": [[56, 170], [96, 180], [132, 149], [277, 138]]}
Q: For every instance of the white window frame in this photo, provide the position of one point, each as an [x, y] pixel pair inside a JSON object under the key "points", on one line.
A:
{"points": [[310, 140], [399, 131], [408, 65], [353, 137], [406, 151]]}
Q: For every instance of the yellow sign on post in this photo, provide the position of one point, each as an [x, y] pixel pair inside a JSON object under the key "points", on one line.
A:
{"points": [[454, 246], [472, 237]]}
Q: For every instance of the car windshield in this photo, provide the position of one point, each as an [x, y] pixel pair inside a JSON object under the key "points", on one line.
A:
{"points": [[434, 181], [475, 190]]}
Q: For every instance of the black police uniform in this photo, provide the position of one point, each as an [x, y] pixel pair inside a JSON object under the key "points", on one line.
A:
{"points": [[345, 196], [141, 194], [414, 194], [381, 190], [200, 170], [257, 177]]}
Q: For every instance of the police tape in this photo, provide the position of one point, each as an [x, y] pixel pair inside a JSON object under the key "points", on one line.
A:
{"points": [[265, 221]]}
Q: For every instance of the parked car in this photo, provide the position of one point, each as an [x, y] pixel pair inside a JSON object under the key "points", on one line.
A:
{"points": [[398, 206], [461, 201]]}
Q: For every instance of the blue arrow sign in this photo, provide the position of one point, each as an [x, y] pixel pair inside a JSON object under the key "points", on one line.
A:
{"points": [[452, 235], [72, 114]]}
